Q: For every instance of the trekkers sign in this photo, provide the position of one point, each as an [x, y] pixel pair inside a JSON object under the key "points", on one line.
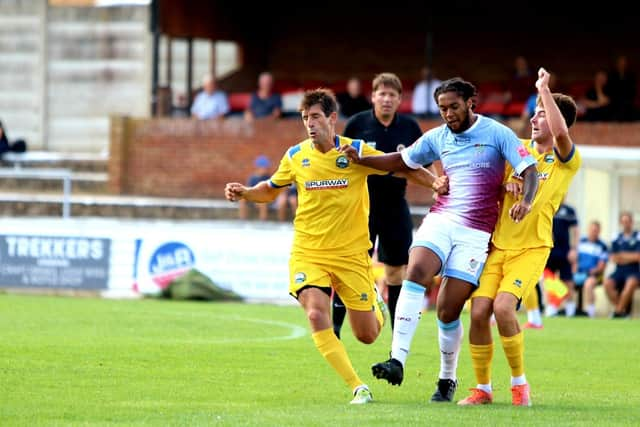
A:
{"points": [[54, 262]]}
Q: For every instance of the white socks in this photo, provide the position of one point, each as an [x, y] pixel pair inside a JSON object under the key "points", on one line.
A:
{"points": [[450, 339], [534, 317], [408, 309]]}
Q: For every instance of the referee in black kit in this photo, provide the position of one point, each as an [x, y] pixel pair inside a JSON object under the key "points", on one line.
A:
{"points": [[389, 219]]}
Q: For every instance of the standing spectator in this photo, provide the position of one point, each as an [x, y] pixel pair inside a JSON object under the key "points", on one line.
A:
{"points": [[264, 103], [625, 253], [352, 100], [389, 219], [17, 146], [592, 260], [211, 102], [566, 236], [261, 173], [423, 104], [622, 87], [596, 102]]}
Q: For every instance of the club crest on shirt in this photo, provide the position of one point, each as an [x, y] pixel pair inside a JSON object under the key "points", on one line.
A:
{"points": [[400, 147], [364, 296], [306, 163], [300, 277], [342, 162]]}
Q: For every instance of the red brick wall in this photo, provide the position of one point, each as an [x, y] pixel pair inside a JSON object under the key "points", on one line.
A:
{"points": [[194, 159]]}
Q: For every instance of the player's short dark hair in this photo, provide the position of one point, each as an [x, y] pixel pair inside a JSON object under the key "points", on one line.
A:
{"points": [[387, 79], [458, 85], [566, 105], [323, 96]]}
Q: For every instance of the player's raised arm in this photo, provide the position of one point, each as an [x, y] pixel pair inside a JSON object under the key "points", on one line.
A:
{"points": [[557, 124]]}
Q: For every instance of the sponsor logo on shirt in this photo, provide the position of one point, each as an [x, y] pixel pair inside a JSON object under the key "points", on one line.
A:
{"points": [[542, 176], [522, 151], [300, 277], [371, 144], [549, 158], [306, 163], [326, 184], [518, 283]]}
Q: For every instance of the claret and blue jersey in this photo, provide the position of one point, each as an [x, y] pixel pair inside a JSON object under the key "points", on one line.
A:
{"points": [[474, 161]]}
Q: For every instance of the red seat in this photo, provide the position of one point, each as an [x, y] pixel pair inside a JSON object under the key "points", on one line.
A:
{"points": [[513, 109], [239, 101]]}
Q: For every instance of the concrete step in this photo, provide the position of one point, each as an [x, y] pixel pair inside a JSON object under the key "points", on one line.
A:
{"points": [[77, 162], [40, 204], [81, 183]]}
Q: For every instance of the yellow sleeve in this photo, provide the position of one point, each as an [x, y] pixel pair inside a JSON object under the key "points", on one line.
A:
{"points": [[284, 175]]}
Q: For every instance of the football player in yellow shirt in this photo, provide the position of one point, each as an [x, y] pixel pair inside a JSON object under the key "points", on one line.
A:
{"points": [[520, 250], [331, 234]]}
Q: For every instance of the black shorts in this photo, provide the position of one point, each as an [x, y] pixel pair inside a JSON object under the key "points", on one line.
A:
{"points": [[620, 277], [393, 228], [560, 264]]}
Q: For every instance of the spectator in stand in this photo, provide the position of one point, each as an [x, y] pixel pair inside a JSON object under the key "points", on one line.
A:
{"points": [[521, 80], [261, 173], [211, 102], [592, 260], [622, 87], [17, 146], [423, 104], [287, 201], [352, 100], [596, 102], [625, 253], [265, 103]]}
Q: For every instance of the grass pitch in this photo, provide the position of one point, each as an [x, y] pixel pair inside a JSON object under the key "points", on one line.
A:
{"points": [[93, 362]]}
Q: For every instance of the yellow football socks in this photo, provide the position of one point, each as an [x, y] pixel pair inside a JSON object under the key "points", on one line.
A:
{"points": [[332, 349], [514, 350], [481, 358]]}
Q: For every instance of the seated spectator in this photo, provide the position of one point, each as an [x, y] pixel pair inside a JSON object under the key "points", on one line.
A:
{"points": [[625, 253], [621, 88], [287, 203], [423, 104], [17, 146], [521, 81], [592, 260], [352, 100], [596, 103], [261, 173], [265, 103], [210, 103]]}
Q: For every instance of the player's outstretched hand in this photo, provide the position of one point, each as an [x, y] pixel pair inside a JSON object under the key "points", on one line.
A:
{"points": [[519, 210], [234, 191], [350, 152], [441, 185]]}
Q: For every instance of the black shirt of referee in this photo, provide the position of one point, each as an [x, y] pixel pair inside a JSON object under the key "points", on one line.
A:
{"points": [[389, 216]]}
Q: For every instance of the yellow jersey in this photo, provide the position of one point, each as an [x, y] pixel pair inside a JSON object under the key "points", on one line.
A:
{"points": [[333, 199], [535, 230]]}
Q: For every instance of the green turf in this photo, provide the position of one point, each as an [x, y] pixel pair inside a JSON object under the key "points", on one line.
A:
{"points": [[92, 362]]}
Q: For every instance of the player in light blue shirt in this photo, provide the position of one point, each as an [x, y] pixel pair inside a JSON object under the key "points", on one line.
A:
{"points": [[453, 240]]}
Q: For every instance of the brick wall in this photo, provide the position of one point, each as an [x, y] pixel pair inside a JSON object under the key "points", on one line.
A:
{"points": [[194, 159]]}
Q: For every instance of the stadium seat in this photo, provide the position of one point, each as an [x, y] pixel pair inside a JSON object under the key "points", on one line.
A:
{"points": [[239, 101]]}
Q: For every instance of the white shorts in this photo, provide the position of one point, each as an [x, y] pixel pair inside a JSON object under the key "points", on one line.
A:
{"points": [[462, 250]]}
